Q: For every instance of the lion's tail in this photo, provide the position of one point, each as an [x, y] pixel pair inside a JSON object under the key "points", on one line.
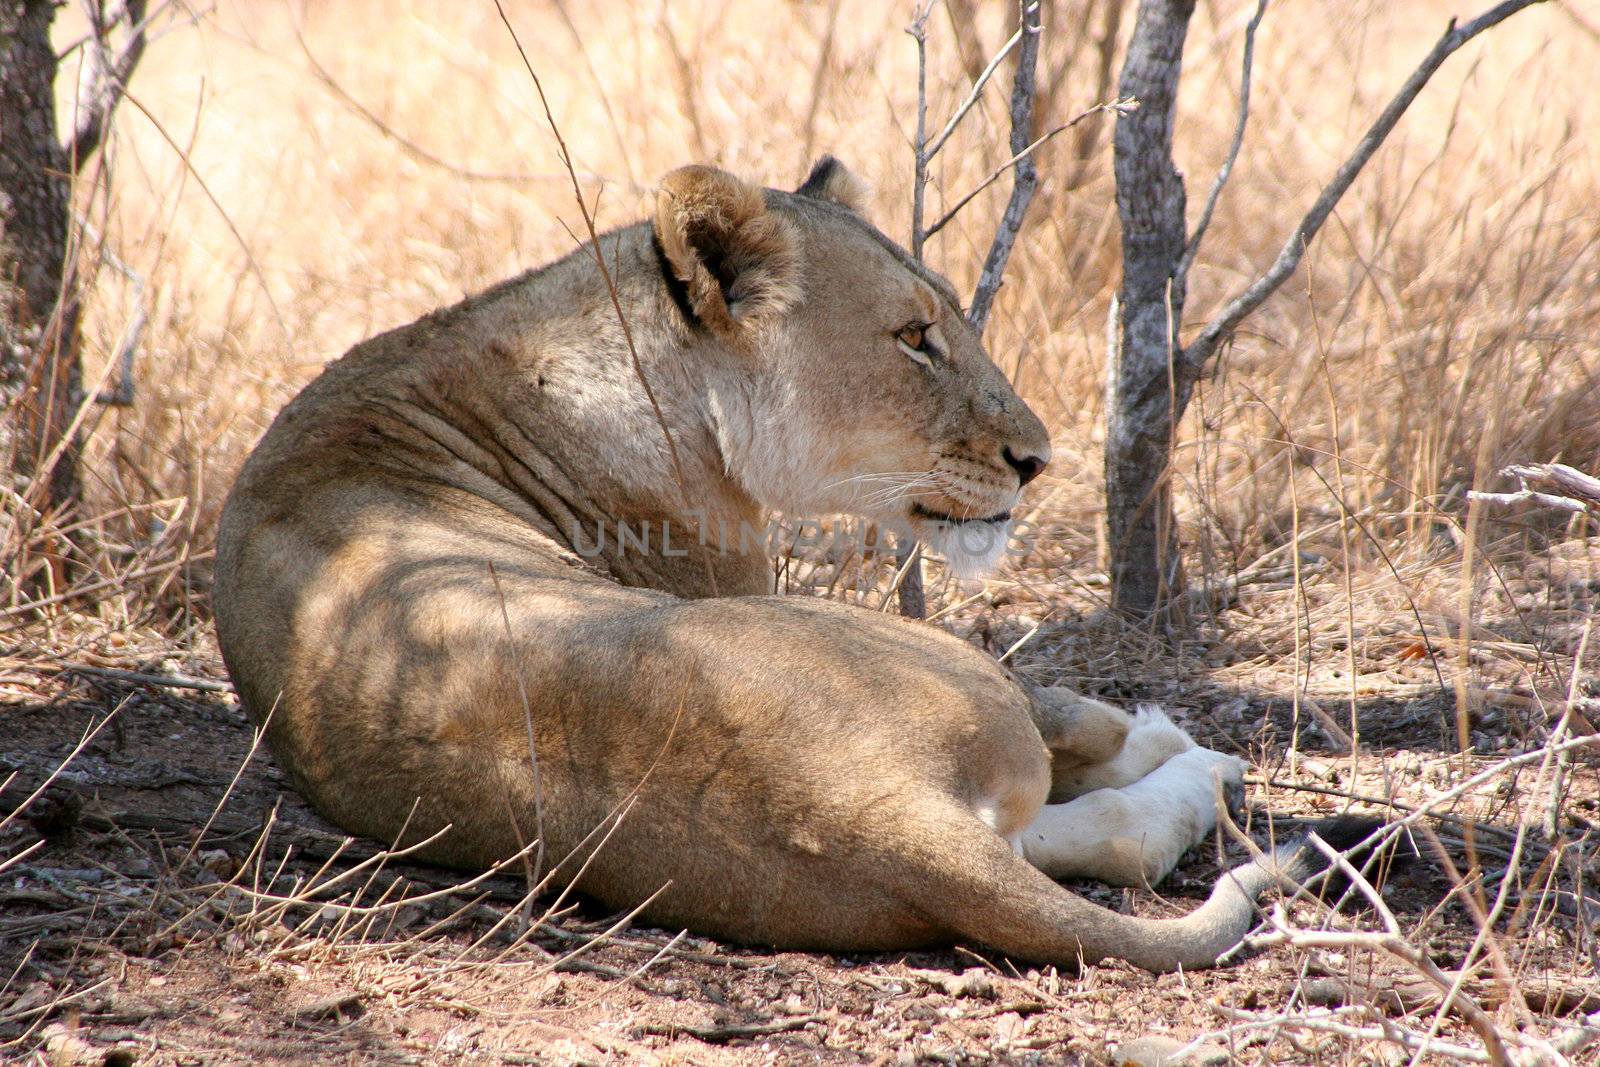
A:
{"points": [[983, 891]]}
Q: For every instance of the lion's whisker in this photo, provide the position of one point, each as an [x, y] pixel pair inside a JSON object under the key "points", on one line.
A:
{"points": [[889, 476]]}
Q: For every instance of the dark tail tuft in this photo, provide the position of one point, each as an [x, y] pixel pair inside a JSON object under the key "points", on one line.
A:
{"points": [[1345, 832], [1357, 837]]}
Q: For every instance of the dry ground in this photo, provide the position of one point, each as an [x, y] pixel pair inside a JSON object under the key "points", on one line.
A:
{"points": [[270, 938], [289, 179]]}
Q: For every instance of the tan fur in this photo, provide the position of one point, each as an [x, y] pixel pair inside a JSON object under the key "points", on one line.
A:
{"points": [[409, 590]]}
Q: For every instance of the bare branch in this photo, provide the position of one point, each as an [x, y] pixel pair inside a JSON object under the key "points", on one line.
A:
{"points": [[1591, 28], [1146, 397], [913, 601], [169, 681], [222, 212], [1025, 176], [113, 79], [1568, 479], [1528, 496], [1396, 945], [133, 334], [972, 97], [919, 175], [1193, 247], [907, 588], [1221, 327], [1331, 1021], [1580, 493], [1119, 107]]}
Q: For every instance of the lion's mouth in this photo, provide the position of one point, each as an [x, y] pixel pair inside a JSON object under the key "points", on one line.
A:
{"points": [[921, 512]]}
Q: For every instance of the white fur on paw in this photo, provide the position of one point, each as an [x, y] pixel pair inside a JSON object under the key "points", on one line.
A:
{"points": [[1231, 768], [1135, 834], [1199, 775], [1154, 719], [1154, 738], [1191, 784], [1147, 709]]}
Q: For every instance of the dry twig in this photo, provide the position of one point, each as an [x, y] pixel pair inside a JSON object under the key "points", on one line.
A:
{"points": [[1577, 492], [717, 1035], [1193, 247], [169, 681], [1025, 180], [1199, 350], [600, 262]]}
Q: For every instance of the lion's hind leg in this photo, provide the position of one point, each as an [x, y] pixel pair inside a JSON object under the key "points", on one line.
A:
{"points": [[1133, 835]]}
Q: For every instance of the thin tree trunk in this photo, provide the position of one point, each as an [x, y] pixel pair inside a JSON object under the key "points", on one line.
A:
{"points": [[1145, 397], [1149, 374], [1024, 175], [39, 367]]}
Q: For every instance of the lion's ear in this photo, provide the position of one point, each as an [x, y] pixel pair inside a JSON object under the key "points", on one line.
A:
{"points": [[738, 261], [831, 180]]}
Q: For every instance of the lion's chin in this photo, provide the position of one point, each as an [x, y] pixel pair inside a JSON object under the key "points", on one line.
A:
{"points": [[971, 547]]}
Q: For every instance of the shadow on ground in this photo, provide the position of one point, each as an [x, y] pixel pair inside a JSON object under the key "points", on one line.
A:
{"points": [[121, 927]]}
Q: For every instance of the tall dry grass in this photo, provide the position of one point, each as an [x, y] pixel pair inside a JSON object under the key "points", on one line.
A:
{"points": [[292, 178]]}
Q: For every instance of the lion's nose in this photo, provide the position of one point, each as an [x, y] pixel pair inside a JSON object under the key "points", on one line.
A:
{"points": [[1027, 467]]}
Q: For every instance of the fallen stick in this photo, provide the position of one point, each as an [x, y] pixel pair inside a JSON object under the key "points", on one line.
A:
{"points": [[1576, 491], [169, 681], [716, 1035]]}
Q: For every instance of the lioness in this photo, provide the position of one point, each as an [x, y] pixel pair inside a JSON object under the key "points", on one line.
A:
{"points": [[422, 591]]}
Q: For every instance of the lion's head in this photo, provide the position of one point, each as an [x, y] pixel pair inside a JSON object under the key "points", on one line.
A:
{"points": [[868, 392]]}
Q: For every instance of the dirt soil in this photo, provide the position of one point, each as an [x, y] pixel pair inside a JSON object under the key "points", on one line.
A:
{"points": [[160, 910]]}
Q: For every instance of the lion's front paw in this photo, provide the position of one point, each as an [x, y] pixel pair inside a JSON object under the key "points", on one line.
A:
{"points": [[1218, 775], [1233, 799], [1222, 773], [1181, 799]]}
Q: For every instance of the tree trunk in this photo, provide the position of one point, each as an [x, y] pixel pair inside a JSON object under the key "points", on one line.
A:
{"points": [[1149, 374], [39, 368], [1146, 391]]}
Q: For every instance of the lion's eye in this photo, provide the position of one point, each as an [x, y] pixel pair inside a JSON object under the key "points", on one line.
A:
{"points": [[913, 341]]}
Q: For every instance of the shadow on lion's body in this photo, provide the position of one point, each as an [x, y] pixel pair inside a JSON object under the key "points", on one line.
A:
{"points": [[408, 589]]}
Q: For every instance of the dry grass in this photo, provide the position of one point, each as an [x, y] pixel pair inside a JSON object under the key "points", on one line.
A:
{"points": [[1440, 329], [292, 179]]}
